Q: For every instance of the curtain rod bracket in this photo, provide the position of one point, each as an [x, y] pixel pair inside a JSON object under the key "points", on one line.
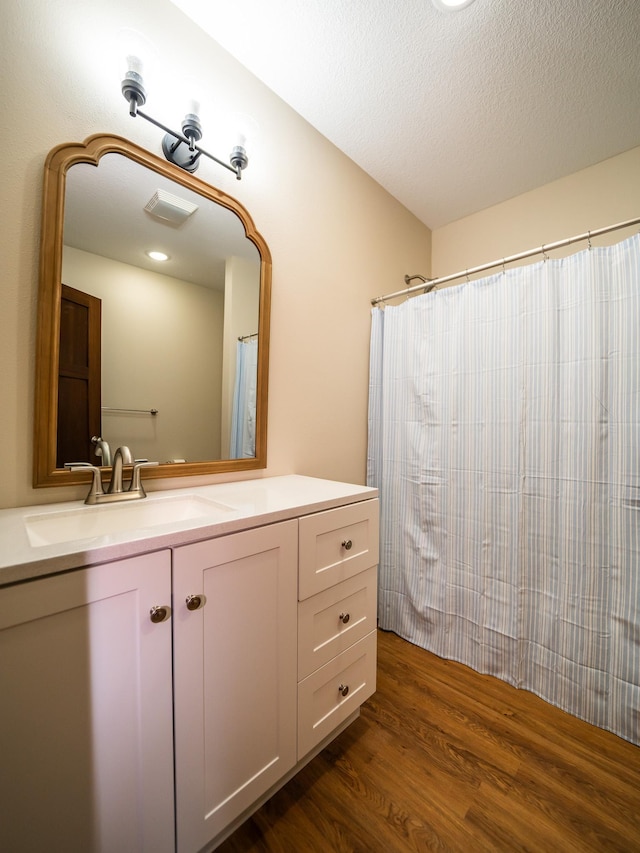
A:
{"points": [[409, 278]]}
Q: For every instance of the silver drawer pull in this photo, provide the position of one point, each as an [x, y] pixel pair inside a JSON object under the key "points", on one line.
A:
{"points": [[194, 602], [344, 618], [159, 614], [347, 544], [343, 689]]}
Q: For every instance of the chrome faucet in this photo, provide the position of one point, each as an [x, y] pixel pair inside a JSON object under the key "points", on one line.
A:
{"points": [[102, 449], [115, 491]]}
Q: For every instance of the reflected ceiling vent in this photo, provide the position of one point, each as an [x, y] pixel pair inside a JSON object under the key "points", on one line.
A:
{"points": [[169, 208]]}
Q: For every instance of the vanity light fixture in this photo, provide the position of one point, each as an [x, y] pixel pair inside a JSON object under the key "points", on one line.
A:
{"points": [[181, 149]]}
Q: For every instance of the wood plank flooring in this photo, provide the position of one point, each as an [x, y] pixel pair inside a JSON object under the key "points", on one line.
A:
{"points": [[442, 758]]}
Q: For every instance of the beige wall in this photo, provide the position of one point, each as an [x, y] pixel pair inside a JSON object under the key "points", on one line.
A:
{"points": [[335, 236], [592, 198]]}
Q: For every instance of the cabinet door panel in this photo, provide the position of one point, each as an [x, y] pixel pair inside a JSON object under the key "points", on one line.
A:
{"points": [[235, 675], [86, 711]]}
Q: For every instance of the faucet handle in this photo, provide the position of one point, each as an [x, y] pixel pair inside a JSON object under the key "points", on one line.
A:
{"points": [[136, 482], [96, 482]]}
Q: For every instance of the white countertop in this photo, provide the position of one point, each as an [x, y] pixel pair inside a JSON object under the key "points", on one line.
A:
{"points": [[247, 503]]}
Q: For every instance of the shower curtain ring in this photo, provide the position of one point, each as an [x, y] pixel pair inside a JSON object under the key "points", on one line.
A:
{"points": [[589, 240], [544, 254]]}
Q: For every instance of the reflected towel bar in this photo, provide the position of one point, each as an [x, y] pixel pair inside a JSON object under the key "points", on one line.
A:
{"points": [[130, 411]]}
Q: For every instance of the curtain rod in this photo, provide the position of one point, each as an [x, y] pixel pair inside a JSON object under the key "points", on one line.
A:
{"points": [[429, 284]]}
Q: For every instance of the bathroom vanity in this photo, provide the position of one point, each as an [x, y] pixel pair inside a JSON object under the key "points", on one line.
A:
{"points": [[166, 668]]}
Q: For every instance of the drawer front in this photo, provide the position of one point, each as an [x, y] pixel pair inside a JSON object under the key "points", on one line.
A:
{"points": [[332, 693], [337, 544], [333, 620]]}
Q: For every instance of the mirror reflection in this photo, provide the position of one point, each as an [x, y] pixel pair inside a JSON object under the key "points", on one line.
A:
{"points": [[168, 357], [175, 340]]}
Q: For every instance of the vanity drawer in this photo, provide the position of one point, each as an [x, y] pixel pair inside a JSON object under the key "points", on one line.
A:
{"points": [[321, 703], [335, 545], [333, 620]]}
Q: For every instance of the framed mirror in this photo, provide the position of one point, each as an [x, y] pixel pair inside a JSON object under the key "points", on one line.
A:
{"points": [[167, 357]]}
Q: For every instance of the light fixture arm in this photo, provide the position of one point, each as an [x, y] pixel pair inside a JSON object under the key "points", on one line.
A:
{"points": [[173, 140]]}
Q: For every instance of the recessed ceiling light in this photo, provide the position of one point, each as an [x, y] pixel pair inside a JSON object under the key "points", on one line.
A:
{"points": [[158, 256], [451, 5]]}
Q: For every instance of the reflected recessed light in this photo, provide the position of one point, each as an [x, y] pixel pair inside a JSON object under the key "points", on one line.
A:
{"points": [[158, 256], [451, 5]]}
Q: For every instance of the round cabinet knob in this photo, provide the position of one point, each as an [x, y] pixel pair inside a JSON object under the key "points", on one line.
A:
{"points": [[347, 544], [194, 602], [343, 689], [344, 618], [159, 614]]}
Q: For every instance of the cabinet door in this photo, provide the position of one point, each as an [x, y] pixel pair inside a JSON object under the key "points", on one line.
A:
{"points": [[235, 675], [86, 711]]}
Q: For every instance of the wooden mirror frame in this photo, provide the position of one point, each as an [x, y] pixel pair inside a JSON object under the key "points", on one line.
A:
{"points": [[57, 164]]}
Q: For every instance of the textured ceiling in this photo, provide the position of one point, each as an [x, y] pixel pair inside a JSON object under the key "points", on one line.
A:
{"points": [[450, 112]]}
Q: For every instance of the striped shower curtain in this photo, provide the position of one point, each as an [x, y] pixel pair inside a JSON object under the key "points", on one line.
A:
{"points": [[243, 412], [504, 437]]}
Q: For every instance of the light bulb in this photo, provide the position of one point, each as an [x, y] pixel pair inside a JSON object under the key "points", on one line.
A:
{"points": [[451, 5], [245, 130], [137, 56]]}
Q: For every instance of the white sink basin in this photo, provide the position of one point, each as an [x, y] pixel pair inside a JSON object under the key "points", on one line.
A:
{"points": [[89, 522]]}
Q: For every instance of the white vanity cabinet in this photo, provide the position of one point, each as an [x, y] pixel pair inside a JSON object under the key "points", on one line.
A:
{"points": [[86, 753], [235, 675], [125, 728]]}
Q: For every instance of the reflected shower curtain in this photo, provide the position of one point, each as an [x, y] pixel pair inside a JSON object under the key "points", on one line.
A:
{"points": [[243, 415], [504, 437]]}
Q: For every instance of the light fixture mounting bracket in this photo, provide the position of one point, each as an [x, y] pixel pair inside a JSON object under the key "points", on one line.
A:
{"points": [[179, 153]]}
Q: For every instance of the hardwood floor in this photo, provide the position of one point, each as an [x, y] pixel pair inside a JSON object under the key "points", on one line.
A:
{"points": [[442, 758]]}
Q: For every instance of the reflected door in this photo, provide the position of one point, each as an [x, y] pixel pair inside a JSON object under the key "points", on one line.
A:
{"points": [[79, 373]]}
